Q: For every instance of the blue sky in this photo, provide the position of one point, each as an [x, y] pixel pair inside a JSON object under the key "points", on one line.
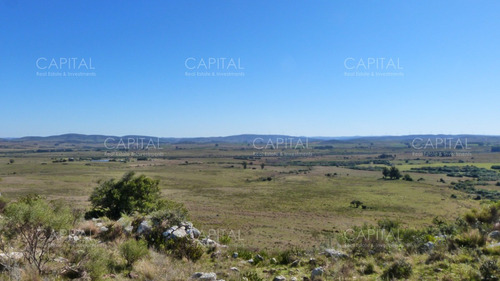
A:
{"points": [[296, 61]]}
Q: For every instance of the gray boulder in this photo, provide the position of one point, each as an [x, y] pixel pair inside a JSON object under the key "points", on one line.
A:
{"points": [[494, 245], [144, 228], [494, 235], [427, 247], [204, 276], [332, 253], [279, 278], [318, 271], [193, 232]]}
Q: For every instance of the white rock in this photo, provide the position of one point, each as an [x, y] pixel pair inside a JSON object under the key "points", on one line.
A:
{"points": [[205, 276], [318, 271]]}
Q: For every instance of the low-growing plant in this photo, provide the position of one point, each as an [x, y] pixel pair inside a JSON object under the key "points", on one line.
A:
{"points": [[472, 239], [37, 223], [400, 269], [252, 276], [185, 248], [3, 204], [490, 270], [133, 250]]}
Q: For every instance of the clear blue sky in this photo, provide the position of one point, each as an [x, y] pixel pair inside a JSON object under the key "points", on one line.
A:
{"points": [[294, 56]]}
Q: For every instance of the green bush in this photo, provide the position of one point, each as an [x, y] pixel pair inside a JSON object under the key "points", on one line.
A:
{"points": [[407, 177], [489, 270], [471, 239], [92, 258], [134, 250], [400, 269], [288, 256], [244, 254], [185, 248], [3, 204], [252, 276], [129, 194], [37, 223], [225, 239]]}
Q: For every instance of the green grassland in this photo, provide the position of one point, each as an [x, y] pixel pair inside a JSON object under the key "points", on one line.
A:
{"points": [[298, 206]]}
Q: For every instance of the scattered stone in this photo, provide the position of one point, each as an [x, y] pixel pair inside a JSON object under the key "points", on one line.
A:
{"points": [[274, 261], [293, 279], [216, 255], [235, 269], [144, 228], [318, 271], [61, 260], [133, 275], [427, 247], [128, 229], [209, 242], [279, 278], [235, 255], [494, 235], [73, 238], [312, 261], [78, 232], [259, 257], [494, 245], [334, 253], [103, 229], [205, 276], [295, 263], [193, 232], [250, 261], [12, 256]]}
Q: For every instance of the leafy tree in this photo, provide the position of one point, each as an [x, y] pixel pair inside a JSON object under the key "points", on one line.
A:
{"points": [[36, 222], [385, 172], [129, 194], [407, 177], [394, 173]]}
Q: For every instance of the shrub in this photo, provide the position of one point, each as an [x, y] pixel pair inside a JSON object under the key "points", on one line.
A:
{"points": [[489, 270], [244, 254], [37, 222], [225, 239], [252, 276], [129, 194], [92, 258], [368, 269], [471, 239], [288, 256], [133, 250], [407, 178], [398, 270], [185, 248], [3, 204]]}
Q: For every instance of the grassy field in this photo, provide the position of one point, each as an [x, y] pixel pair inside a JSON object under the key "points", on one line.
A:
{"points": [[275, 207]]}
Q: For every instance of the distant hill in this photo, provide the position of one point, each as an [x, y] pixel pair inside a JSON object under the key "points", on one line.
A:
{"points": [[247, 138], [93, 139]]}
